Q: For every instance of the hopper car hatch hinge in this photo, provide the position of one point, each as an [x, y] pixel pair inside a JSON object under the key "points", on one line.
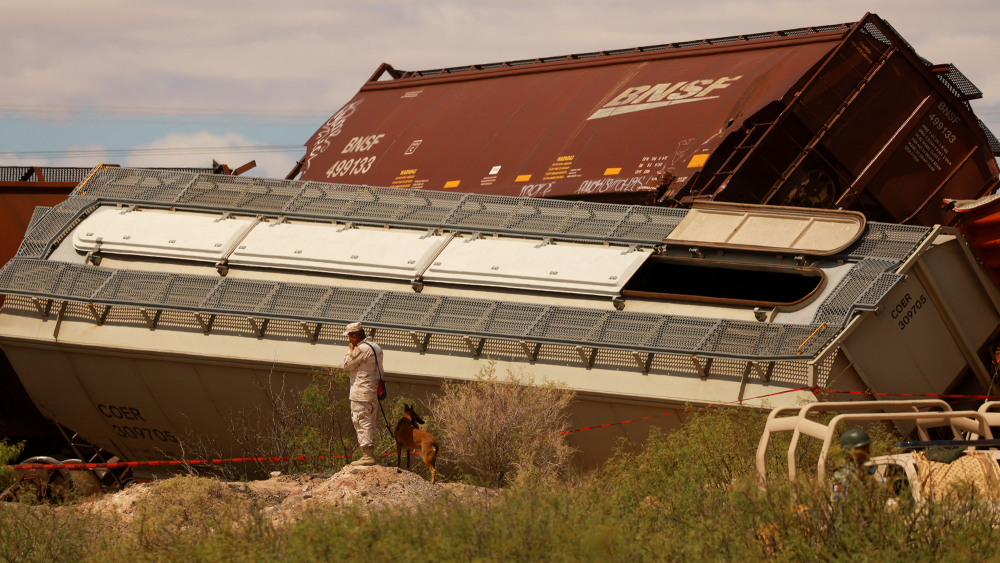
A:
{"points": [[420, 343], [259, 326], [547, 241], [643, 362], [417, 283], [206, 325], [222, 266], [311, 333], [702, 370], [151, 320], [587, 356], [529, 351], [475, 349]]}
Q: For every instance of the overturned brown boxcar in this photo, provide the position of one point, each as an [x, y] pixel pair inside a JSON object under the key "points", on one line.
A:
{"points": [[843, 116]]}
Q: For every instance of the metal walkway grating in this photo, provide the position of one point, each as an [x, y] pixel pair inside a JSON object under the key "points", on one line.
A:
{"points": [[384, 206], [887, 241], [37, 215], [48, 230], [863, 288], [484, 318]]}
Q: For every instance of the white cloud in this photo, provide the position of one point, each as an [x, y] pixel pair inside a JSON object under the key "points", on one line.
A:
{"points": [[315, 54], [92, 153], [269, 164]]}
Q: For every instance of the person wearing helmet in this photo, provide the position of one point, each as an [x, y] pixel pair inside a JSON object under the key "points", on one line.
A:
{"points": [[857, 445]]}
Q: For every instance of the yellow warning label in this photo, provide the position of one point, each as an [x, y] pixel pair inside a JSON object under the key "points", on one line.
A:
{"points": [[452, 184], [405, 178], [558, 169], [698, 160], [523, 178], [612, 171]]}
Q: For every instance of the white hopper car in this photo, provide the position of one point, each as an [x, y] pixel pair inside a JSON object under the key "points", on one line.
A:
{"points": [[209, 287]]}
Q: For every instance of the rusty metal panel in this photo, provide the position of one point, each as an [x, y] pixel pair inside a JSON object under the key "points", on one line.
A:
{"points": [[15, 214], [843, 116], [580, 127]]}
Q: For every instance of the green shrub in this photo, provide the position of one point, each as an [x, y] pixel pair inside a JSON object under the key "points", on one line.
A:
{"points": [[9, 453], [182, 512], [691, 495], [501, 426]]}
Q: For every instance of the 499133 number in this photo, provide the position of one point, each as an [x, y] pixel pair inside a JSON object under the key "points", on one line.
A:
{"points": [[350, 167]]}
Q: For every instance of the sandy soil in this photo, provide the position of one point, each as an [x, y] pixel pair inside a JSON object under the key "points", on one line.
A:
{"points": [[287, 498]]}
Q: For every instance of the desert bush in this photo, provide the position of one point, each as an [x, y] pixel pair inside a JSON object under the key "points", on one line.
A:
{"points": [[8, 454], [313, 424], [43, 532], [185, 510], [496, 426], [690, 495]]}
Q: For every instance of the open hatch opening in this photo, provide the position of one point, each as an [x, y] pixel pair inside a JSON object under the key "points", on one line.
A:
{"points": [[732, 283]]}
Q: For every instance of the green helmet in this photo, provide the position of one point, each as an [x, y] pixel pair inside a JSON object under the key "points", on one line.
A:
{"points": [[855, 438]]}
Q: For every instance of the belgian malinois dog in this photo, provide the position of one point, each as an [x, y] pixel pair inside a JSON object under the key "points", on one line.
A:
{"points": [[408, 435]]}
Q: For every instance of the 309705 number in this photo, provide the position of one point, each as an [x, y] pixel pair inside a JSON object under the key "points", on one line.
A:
{"points": [[138, 433], [906, 309]]}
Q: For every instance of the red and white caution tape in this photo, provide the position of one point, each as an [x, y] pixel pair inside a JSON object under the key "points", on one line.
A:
{"points": [[169, 463]]}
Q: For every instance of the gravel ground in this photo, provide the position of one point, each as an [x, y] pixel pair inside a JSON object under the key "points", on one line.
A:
{"points": [[288, 498]]}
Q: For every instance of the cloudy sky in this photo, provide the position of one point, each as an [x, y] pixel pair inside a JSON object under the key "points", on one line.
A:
{"points": [[84, 78]]}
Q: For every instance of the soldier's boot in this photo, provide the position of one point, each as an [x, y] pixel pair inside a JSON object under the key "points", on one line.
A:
{"points": [[367, 459]]}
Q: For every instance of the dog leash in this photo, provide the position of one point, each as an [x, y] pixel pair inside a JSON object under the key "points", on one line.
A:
{"points": [[377, 367]]}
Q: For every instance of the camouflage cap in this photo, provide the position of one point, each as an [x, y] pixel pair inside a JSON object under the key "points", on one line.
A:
{"points": [[353, 327]]}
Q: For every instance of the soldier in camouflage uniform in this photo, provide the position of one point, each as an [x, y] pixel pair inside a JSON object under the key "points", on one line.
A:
{"points": [[857, 444]]}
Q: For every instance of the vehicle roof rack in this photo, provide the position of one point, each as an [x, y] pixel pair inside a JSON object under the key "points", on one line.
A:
{"points": [[976, 423]]}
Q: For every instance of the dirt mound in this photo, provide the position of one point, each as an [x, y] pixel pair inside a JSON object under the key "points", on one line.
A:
{"points": [[372, 487], [287, 498]]}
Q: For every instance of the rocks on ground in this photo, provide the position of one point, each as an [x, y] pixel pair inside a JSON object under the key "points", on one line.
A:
{"points": [[286, 498]]}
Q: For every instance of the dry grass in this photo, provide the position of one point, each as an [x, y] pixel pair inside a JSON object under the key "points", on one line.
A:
{"points": [[689, 496], [499, 426]]}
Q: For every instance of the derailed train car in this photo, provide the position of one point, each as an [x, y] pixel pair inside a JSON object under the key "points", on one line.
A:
{"points": [[121, 328], [843, 116], [154, 305]]}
